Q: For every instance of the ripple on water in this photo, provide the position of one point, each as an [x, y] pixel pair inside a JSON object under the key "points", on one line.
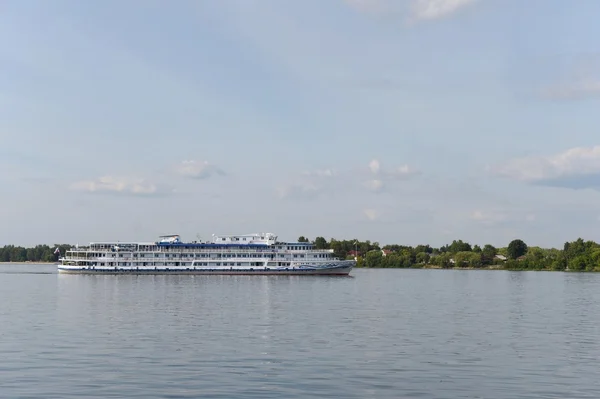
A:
{"points": [[382, 334]]}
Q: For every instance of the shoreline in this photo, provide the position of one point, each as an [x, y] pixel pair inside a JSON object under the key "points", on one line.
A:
{"points": [[435, 267], [486, 268], [28, 263]]}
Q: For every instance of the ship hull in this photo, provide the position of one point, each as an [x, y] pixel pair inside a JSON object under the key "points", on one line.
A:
{"points": [[337, 270]]}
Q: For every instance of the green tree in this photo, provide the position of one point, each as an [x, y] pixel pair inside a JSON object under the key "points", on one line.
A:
{"points": [[488, 253], [467, 259], [302, 239], [395, 247], [395, 260], [321, 243], [579, 263], [374, 258], [442, 260], [459, 246], [360, 262], [423, 258], [423, 248], [559, 263], [516, 248]]}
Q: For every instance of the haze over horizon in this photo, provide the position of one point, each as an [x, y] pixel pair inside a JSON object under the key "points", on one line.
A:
{"points": [[408, 122]]}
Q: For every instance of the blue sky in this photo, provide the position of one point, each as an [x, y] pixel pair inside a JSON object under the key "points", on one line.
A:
{"points": [[399, 121]]}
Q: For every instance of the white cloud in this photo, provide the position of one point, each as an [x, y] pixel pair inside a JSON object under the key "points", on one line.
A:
{"points": [[374, 166], [435, 9], [574, 91], [495, 217], [117, 185], [577, 78], [375, 185], [401, 172], [380, 177], [198, 169], [577, 167], [310, 184], [321, 173], [371, 214], [302, 191], [488, 217], [419, 9]]}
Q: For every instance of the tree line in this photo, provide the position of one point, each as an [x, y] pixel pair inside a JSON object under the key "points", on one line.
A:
{"points": [[578, 255], [39, 253]]}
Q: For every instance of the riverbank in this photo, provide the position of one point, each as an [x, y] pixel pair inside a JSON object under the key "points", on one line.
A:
{"points": [[491, 267], [28, 263]]}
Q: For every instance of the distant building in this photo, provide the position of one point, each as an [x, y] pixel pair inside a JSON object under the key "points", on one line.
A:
{"points": [[501, 257]]}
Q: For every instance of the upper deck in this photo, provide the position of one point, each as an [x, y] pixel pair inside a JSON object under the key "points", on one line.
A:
{"points": [[258, 242]]}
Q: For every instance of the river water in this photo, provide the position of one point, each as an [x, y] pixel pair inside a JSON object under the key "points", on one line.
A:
{"points": [[377, 334]]}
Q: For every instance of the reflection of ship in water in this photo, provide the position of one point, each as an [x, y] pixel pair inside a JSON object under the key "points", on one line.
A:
{"points": [[249, 254]]}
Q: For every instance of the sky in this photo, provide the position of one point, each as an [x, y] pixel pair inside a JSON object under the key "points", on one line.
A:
{"points": [[398, 121]]}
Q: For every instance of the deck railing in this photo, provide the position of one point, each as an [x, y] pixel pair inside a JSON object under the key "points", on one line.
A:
{"points": [[206, 250]]}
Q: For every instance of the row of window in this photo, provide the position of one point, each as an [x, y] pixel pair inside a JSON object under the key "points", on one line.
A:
{"points": [[183, 264], [207, 255], [124, 247]]}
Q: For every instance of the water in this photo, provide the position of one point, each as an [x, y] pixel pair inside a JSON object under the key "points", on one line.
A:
{"points": [[381, 334]]}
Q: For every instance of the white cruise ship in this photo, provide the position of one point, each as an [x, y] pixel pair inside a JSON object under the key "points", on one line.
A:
{"points": [[245, 254]]}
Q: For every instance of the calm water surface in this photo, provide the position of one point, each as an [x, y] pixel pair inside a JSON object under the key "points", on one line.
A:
{"points": [[380, 334]]}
